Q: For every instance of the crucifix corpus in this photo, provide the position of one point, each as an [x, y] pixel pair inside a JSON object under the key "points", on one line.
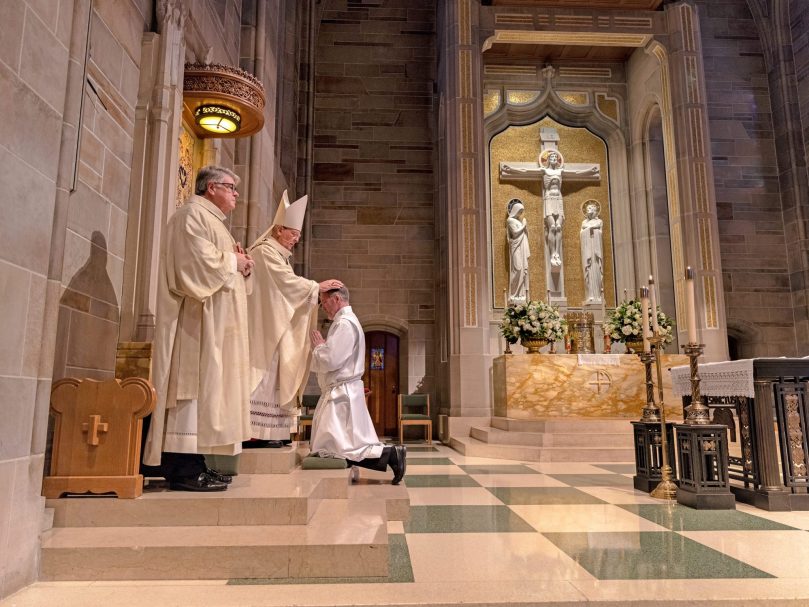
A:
{"points": [[551, 169]]}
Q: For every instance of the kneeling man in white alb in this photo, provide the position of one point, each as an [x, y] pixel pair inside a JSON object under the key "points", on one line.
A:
{"points": [[341, 425]]}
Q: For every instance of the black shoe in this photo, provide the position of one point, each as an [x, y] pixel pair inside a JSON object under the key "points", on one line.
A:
{"points": [[203, 482], [275, 444], [398, 463], [287, 442], [218, 476], [256, 443]]}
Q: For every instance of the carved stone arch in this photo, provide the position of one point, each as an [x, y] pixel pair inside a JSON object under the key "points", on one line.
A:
{"points": [[763, 17], [384, 322], [398, 327], [748, 339], [549, 104], [657, 228]]}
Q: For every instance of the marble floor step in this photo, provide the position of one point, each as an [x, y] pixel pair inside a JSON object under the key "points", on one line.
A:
{"points": [[260, 499], [345, 538], [564, 425], [263, 499], [272, 461], [547, 439], [473, 447]]}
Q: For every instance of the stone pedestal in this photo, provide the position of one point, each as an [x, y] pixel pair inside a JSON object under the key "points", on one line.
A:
{"points": [[649, 454], [702, 459]]}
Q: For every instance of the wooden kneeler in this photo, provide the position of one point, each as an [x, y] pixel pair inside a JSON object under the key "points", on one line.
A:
{"points": [[96, 438]]}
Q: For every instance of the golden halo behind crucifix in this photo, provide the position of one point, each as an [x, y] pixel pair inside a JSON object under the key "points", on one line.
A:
{"points": [[543, 158], [587, 203]]}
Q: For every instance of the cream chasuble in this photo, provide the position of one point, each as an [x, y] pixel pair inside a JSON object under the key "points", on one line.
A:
{"points": [[282, 310], [201, 351]]}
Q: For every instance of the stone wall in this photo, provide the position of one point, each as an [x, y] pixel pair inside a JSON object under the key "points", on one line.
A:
{"points": [[371, 209], [38, 41], [751, 230]]}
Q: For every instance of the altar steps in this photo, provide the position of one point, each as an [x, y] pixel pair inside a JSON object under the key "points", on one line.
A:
{"points": [[552, 440], [302, 524]]}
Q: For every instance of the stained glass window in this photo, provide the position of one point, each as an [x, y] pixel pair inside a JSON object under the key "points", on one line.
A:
{"points": [[377, 359]]}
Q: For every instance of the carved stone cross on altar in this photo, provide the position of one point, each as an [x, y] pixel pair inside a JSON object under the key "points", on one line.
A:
{"points": [[551, 169]]}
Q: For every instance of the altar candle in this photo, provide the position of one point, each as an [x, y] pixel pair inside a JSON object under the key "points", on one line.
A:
{"points": [[505, 299], [691, 308], [549, 297], [624, 294], [653, 297], [644, 313]]}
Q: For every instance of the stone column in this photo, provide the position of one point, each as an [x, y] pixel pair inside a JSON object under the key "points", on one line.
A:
{"points": [[692, 199], [462, 210], [774, 19], [158, 116]]}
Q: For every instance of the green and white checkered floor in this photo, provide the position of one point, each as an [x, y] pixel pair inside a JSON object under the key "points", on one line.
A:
{"points": [[495, 532]]}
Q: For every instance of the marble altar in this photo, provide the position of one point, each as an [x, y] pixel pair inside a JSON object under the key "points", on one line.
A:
{"points": [[534, 386]]}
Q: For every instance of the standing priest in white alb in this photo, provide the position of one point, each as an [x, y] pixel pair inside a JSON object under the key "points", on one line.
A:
{"points": [[201, 362], [341, 426], [282, 310]]}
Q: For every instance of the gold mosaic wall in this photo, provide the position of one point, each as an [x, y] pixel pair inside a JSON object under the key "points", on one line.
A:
{"points": [[185, 169], [522, 144]]}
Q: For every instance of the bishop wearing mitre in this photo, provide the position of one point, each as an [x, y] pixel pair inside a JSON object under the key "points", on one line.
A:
{"points": [[282, 311]]}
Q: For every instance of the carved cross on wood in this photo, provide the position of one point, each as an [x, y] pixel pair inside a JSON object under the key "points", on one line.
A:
{"points": [[93, 428]]}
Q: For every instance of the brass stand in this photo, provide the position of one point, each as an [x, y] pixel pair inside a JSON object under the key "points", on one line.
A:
{"points": [[508, 348], [667, 488], [697, 414], [651, 413]]}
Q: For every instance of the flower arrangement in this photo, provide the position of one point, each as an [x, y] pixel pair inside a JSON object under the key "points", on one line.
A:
{"points": [[532, 320], [624, 323]]}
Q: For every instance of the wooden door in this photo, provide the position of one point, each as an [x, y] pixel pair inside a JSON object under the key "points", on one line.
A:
{"points": [[382, 378]]}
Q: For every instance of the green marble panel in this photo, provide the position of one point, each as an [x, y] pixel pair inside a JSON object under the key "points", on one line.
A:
{"points": [[499, 469], [682, 518], [617, 468], [465, 519], [594, 480], [543, 496], [649, 555], [429, 461], [439, 480]]}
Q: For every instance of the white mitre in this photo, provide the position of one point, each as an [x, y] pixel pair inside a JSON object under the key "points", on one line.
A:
{"points": [[291, 215], [288, 215]]}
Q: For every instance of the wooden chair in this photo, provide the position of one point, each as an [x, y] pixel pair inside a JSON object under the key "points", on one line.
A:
{"points": [[308, 404], [414, 410]]}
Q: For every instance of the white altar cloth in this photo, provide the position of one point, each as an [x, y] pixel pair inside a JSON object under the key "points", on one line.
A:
{"points": [[607, 360], [728, 378]]}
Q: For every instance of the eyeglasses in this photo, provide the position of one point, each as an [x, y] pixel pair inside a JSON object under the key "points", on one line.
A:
{"points": [[230, 186]]}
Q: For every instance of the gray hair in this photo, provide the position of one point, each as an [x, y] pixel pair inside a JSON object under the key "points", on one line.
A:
{"points": [[210, 173], [342, 292]]}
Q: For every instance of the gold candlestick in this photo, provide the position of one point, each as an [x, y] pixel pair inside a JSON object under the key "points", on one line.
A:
{"points": [[666, 489], [651, 413], [697, 414]]}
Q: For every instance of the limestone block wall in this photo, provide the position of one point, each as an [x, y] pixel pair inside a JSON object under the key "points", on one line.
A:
{"points": [[371, 209], [751, 230], [799, 25], [34, 59], [92, 270]]}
